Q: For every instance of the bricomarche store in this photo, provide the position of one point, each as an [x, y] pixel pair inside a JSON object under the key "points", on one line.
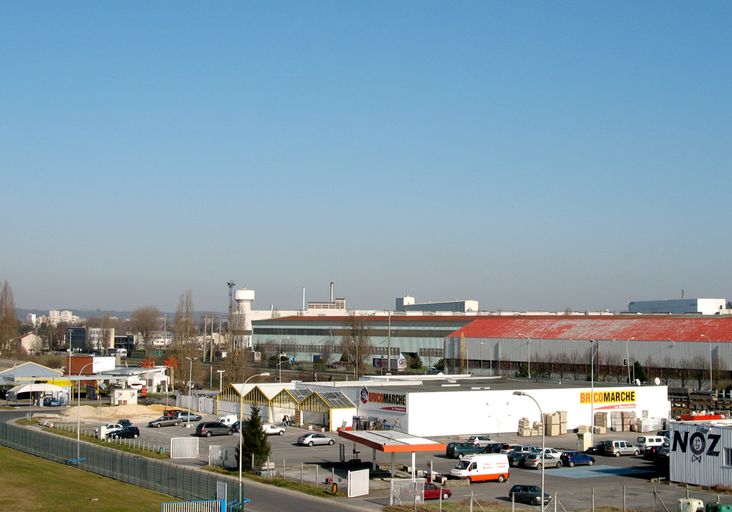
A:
{"points": [[458, 405]]}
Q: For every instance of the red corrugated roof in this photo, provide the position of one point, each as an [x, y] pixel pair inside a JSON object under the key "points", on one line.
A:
{"points": [[647, 328]]}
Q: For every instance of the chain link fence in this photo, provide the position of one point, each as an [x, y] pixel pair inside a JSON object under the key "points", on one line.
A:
{"points": [[157, 475]]}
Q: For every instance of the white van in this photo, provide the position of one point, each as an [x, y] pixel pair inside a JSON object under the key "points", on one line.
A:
{"points": [[229, 419], [646, 442], [482, 467]]}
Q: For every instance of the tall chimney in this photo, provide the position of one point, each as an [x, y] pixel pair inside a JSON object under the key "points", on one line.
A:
{"points": [[332, 299]]}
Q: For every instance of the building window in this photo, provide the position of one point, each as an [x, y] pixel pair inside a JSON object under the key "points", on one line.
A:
{"points": [[728, 457]]}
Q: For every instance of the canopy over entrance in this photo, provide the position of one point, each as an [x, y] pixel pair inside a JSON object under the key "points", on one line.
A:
{"points": [[391, 441]]}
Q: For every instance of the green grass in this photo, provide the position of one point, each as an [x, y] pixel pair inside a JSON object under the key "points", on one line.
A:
{"points": [[31, 484]]}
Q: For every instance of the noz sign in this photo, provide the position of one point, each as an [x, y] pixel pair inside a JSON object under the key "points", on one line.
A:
{"points": [[698, 443]]}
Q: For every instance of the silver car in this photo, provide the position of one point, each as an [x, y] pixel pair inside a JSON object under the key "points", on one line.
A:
{"points": [[313, 439], [619, 447]]}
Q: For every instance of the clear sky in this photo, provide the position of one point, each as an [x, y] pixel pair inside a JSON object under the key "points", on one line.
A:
{"points": [[531, 155]]}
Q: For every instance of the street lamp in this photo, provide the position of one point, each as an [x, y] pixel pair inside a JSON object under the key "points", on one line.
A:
{"points": [[711, 385], [627, 356], [221, 381], [592, 389], [78, 408], [190, 387], [241, 426], [543, 453]]}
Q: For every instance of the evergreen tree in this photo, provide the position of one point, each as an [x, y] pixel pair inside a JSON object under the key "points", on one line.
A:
{"points": [[254, 441]]}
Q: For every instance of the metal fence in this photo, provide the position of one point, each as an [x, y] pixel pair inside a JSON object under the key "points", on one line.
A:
{"points": [[157, 475]]}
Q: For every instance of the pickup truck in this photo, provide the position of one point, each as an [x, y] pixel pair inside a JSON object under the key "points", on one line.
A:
{"points": [[459, 450]]}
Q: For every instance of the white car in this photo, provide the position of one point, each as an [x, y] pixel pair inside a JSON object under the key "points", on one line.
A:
{"points": [[110, 429], [313, 439], [272, 430], [229, 419], [481, 441]]}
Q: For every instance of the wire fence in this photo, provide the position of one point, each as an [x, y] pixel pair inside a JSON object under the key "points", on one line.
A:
{"points": [[157, 475]]}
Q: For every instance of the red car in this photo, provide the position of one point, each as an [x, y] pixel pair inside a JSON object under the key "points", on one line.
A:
{"points": [[432, 492]]}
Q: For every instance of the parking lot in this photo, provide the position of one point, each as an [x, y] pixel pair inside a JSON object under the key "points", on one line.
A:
{"points": [[609, 479]]}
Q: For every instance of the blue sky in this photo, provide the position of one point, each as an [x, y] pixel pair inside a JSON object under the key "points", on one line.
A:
{"points": [[531, 155]]}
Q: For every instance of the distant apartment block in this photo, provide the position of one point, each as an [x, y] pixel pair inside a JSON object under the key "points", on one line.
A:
{"points": [[679, 306]]}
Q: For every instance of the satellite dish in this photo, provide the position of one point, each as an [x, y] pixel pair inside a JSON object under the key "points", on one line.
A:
{"points": [[637, 382], [657, 381]]}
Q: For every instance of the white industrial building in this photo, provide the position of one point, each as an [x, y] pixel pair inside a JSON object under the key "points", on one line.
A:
{"points": [[701, 453]]}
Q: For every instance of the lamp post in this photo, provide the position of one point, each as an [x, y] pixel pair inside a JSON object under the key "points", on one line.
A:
{"points": [[543, 447], [627, 356], [221, 381], [241, 427], [78, 408], [592, 389], [711, 384], [190, 387]]}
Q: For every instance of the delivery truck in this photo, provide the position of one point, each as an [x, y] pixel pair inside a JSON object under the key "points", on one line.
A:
{"points": [[482, 467]]}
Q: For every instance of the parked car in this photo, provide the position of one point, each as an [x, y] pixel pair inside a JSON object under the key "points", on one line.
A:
{"points": [[530, 494], [619, 447], [573, 459], [516, 456], [111, 428], [652, 452], [229, 419], [460, 450], [172, 413], [212, 428], [128, 432], [165, 421], [272, 430], [498, 447], [647, 442], [125, 423], [49, 401], [313, 439], [188, 417], [482, 441], [596, 448], [551, 458], [433, 492]]}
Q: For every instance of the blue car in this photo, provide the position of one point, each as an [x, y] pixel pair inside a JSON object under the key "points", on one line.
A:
{"points": [[572, 459]]}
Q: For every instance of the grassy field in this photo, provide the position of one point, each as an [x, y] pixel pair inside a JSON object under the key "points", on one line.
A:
{"points": [[32, 484]]}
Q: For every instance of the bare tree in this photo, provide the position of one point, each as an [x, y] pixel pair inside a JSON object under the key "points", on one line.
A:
{"points": [[8, 320], [145, 320], [356, 343], [184, 328], [699, 370]]}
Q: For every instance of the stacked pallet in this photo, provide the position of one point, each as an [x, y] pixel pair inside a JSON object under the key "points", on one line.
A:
{"points": [[601, 419], [551, 424], [616, 421], [628, 419], [524, 427], [562, 422], [536, 428]]}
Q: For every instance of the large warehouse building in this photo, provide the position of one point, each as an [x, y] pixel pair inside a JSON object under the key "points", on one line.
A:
{"points": [[682, 348]]}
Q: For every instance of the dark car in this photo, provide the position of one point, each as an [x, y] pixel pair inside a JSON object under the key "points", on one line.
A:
{"points": [[530, 494], [433, 492], [164, 421], [212, 428], [460, 450], [125, 423], [597, 448], [572, 459], [516, 456], [128, 432]]}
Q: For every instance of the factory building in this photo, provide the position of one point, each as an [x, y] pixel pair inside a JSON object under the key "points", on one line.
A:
{"points": [[407, 303], [690, 349]]}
